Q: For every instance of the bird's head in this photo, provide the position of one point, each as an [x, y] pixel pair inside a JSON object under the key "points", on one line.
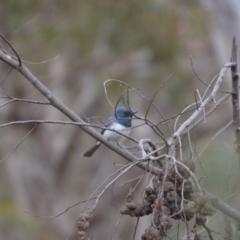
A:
{"points": [[124, 116]]}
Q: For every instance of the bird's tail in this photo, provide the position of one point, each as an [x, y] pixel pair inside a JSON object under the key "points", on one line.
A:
{"points": [[92, 150]]}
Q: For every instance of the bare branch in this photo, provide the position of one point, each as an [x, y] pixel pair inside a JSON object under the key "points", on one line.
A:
{"points": [[235, 95], [223, 207], [209, 99], [9, 44]]}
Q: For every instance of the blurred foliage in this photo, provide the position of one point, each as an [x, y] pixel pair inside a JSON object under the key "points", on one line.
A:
{"points": [[12, 226], [43, 27]]}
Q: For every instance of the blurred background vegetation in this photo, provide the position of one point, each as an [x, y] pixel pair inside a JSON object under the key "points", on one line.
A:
{"points": [[139, 42]]}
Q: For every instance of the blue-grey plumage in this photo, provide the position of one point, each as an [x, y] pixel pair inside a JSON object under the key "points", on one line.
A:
{"points": [[120, 121]]}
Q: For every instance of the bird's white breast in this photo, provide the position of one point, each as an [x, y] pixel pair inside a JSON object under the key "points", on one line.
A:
{"points": [[114, 136]]}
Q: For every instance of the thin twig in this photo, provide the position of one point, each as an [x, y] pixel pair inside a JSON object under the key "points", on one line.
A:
{"points": [[61, 213], [192, 65], [15, 148], [25, 101], [135, 229], [66, 123], [215, 135], [6, 76], [119, 219]]}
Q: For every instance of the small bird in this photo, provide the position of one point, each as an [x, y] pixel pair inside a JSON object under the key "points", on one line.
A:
{"points": [[121, 121]]}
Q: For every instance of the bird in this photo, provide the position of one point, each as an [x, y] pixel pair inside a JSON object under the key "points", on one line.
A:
{"points": [[121, 121]]}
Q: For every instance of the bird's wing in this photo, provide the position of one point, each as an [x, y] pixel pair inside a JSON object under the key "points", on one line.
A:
{"points": [[111, 120]]}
